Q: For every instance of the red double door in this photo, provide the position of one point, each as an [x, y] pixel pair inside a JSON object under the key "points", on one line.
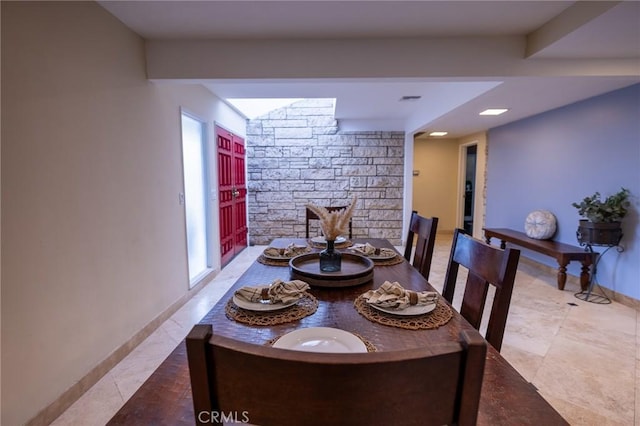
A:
{"points": [[232, 190]]}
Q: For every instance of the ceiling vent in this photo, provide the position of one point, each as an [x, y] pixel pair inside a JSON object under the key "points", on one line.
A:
{"points": [[410, 98]]}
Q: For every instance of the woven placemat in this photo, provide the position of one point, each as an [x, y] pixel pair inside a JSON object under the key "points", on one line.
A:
{"points": [[434, 319], [273, 262], [306, 306], [370, 346]]}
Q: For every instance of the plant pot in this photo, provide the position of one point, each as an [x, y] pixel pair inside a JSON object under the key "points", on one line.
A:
{"points": [[599, 233]]}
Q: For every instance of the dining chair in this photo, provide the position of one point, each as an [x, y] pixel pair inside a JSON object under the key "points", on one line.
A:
{"points": [[312, 216], [262, 385], [425, 229], [486, 265]]}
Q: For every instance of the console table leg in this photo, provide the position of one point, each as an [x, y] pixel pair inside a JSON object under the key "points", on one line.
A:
{"points": [[562, 276], [503, 244]]}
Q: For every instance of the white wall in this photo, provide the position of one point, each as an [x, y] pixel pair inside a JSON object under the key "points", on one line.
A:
{"points": [[361, 58], [435, 188], [93, 241]]}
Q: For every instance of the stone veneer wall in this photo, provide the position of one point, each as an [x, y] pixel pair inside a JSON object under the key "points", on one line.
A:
{"points": [[297, 155]]}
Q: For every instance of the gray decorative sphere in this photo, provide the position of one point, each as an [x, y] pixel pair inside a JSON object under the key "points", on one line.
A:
{"points": [[540, 224]]}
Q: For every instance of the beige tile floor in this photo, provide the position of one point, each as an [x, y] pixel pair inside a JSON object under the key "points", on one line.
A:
{"points": [[582, 357]]}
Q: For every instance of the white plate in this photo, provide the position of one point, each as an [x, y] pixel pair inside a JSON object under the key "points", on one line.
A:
{"points": [[409, 311], [253, 306], [321, 339], [323, 240]]}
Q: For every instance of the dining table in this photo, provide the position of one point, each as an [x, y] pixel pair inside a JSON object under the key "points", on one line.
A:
{"points": [[507, 398]]}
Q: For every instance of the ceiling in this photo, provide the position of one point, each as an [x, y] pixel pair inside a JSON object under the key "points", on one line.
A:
{"points": [[597, 36]]}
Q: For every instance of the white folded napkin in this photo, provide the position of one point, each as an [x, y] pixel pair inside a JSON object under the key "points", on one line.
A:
{"points": [[294, 250], [277, 292], [291, 250], [393, 295], [368, 250]]}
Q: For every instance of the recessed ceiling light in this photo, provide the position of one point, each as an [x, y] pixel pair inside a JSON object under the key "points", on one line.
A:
{"points": [[410, 98], [438, 133], [494, 111]]}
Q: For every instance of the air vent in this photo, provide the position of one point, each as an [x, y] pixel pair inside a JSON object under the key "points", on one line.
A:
{"points": [[410, 98]]}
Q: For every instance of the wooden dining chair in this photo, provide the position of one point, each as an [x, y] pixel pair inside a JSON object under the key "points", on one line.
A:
{"points": [[425, 229], [486, 265], [312, 216], [262, 385]]}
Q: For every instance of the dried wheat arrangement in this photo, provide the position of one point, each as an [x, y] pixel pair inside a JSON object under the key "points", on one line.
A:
{"points": [[334, 223]]}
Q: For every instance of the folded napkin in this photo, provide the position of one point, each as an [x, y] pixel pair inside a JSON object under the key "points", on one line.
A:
{"points": [[294, 250], [368, 250], [277, 292], [393, 295], [290, 251]]}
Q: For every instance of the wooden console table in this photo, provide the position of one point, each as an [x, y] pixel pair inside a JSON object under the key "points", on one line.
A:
{"points": [[563, 253]]}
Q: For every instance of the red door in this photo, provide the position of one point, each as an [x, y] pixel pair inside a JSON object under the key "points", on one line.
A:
{"points": [[232, 194]]}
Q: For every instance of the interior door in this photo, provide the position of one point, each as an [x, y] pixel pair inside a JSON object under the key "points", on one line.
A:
{"points": [[232, 194]]}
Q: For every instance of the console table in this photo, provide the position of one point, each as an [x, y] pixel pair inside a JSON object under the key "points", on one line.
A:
{"points": [[563, 253]]}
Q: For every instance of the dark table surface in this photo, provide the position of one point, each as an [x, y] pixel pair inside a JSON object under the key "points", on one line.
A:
{"points": [[507, 398]]}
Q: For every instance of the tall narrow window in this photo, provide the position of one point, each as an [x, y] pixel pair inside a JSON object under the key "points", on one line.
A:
{"points": [[195, 196]]}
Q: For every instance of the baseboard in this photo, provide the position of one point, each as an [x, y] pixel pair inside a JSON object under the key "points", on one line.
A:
{"points": [[71, 395], [574, 281], [623, 299]]}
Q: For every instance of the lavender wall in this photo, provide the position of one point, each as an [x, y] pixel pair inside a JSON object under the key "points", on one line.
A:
{"points": [[552, 159]]}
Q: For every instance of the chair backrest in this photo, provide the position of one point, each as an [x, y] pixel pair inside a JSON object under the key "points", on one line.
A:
{"points": [[312, 216], [487, 265], [425, 229], [263, 385]]}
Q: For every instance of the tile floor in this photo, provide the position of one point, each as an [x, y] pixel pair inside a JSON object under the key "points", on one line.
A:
{"points": [[582, 357]]}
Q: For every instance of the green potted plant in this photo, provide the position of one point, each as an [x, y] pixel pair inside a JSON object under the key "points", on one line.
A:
{"points": [[602, 224]]}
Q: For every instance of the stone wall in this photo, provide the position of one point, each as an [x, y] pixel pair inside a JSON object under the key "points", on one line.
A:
{"points": [[297, 155]]}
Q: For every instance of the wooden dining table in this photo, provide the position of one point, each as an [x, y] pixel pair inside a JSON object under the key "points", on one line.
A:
{"points": [[507, 398]]}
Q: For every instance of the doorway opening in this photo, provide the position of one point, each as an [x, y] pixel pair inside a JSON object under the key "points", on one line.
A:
{"points": [[470, 156]]}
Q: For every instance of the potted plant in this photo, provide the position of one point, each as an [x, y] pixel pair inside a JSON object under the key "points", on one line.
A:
{"points": [[603, 217]]}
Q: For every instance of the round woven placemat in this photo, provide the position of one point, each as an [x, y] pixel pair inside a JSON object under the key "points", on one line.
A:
{"points": [[434, 319], [306, 306], [370, 346]]}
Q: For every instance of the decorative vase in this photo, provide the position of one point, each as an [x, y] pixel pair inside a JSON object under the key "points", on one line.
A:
{"points": [[599, 233], [330, 258]]}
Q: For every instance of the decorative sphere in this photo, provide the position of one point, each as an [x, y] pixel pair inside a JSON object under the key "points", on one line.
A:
{"points": [[540, 224]]}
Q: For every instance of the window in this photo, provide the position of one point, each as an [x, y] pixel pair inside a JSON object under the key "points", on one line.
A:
{"points": [[195, 197]]}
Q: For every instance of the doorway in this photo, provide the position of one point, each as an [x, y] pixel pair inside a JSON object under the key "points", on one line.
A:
{"points": [[470, 156], [232, 189]]}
